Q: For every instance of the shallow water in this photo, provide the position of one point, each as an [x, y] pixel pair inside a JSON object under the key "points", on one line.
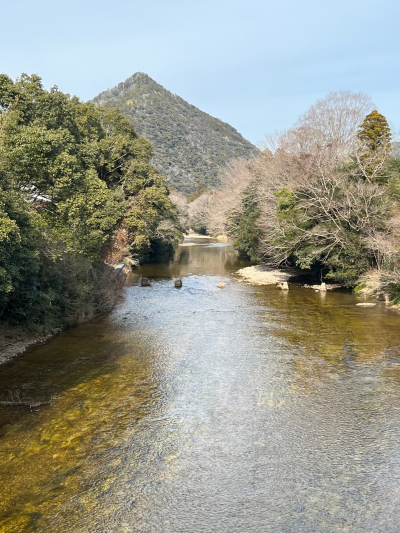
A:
{"points": [[242, 409]]}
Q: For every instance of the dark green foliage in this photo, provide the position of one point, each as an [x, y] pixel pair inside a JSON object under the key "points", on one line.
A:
{"points": [[19, 256], [242, 226], [393, 184], [347, 263], [190, 145], [74, 181]]}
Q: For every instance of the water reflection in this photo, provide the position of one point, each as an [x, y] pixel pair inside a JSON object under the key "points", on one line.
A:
{"points": [[206, 409], [197, 256]]}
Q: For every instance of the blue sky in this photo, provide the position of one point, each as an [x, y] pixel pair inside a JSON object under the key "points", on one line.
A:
{"points": [[255, 64]]}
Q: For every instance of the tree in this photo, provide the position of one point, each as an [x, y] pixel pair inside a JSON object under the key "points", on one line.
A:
{"points": [[308, 203], [374, 132], [234, 178], [74, 178], [242, 225], [317, 215], [374, 147], [332, 120]]}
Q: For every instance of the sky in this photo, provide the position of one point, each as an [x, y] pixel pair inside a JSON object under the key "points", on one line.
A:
{"points": [[255, 64]]}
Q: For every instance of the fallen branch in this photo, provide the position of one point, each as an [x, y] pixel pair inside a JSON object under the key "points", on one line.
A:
{"points": [[15, 400]]}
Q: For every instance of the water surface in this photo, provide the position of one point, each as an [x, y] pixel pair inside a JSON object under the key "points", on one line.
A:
{"points": [[242, 409]]}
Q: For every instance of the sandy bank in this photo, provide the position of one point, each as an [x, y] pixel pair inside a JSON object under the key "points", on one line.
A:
{"points": [[219, 238], [263, 275], [191, 235]]}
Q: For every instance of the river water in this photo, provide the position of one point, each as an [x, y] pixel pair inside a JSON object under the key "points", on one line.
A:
{"points": [[206, 409]]}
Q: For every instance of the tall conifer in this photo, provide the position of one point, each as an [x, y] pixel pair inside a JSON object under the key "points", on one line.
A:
{"points": [[374, 132], [375, 147]]}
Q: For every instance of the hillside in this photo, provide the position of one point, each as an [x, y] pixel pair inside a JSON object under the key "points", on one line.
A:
{"points": [[190, 146]]}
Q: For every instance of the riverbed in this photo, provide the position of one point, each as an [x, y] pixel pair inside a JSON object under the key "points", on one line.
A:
{"points": [[207, 409]]}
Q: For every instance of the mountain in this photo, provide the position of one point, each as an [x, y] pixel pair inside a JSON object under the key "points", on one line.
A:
{"points": [[190, 146]]}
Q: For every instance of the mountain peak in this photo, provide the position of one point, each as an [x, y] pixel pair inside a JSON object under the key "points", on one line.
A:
{"points": [[139, 78], [190, 146]]}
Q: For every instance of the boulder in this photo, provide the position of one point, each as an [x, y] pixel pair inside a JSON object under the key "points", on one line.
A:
{"points": [[144, 282]]}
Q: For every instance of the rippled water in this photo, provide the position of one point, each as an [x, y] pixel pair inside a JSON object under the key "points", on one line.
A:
{"points": [[243, 409]]}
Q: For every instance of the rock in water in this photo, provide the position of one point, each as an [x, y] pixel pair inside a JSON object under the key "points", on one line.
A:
{"points": [[178, 282], [144, 282], [284, 285]]}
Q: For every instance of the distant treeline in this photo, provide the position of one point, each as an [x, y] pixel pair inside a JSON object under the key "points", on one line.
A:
{"points": [[324, 196], [77, 193]]}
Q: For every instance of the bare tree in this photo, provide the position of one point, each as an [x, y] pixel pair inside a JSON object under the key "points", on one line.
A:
{"points": [[235, 178], [181, 204], [198, 211], [309, 207], [333, 121]]}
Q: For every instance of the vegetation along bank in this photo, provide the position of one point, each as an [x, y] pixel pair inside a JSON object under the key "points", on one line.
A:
{"points": [[79, 201], [324, 197]]}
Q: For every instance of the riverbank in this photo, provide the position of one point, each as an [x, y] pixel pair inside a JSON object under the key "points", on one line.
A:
{"points": [[263, 275], [14, 341], [370, 284], [219, 238], [11, 346]]}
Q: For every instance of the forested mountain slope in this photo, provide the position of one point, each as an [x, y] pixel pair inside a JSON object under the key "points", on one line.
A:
{"points": [[189, 145]]}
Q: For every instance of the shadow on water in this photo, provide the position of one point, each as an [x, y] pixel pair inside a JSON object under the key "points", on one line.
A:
{"points": [[207, 409]]}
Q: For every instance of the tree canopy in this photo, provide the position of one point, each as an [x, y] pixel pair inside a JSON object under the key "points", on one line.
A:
{"points": [[73, 179], [325, 197], [374, 132]]}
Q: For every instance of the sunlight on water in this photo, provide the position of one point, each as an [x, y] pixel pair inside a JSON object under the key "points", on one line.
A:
{"points": [[201, 409]]}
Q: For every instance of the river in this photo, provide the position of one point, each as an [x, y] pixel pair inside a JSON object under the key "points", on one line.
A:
{"points": [[206, 409]]}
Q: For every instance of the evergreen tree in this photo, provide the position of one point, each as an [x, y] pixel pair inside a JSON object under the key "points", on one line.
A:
{"points": [[374, 133], [74, 180], [242, 225], [375, 147]]}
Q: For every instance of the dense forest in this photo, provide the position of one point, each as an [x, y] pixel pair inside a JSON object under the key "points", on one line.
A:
{"points": [[77, 195], [190, 146], [324, 196]]}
